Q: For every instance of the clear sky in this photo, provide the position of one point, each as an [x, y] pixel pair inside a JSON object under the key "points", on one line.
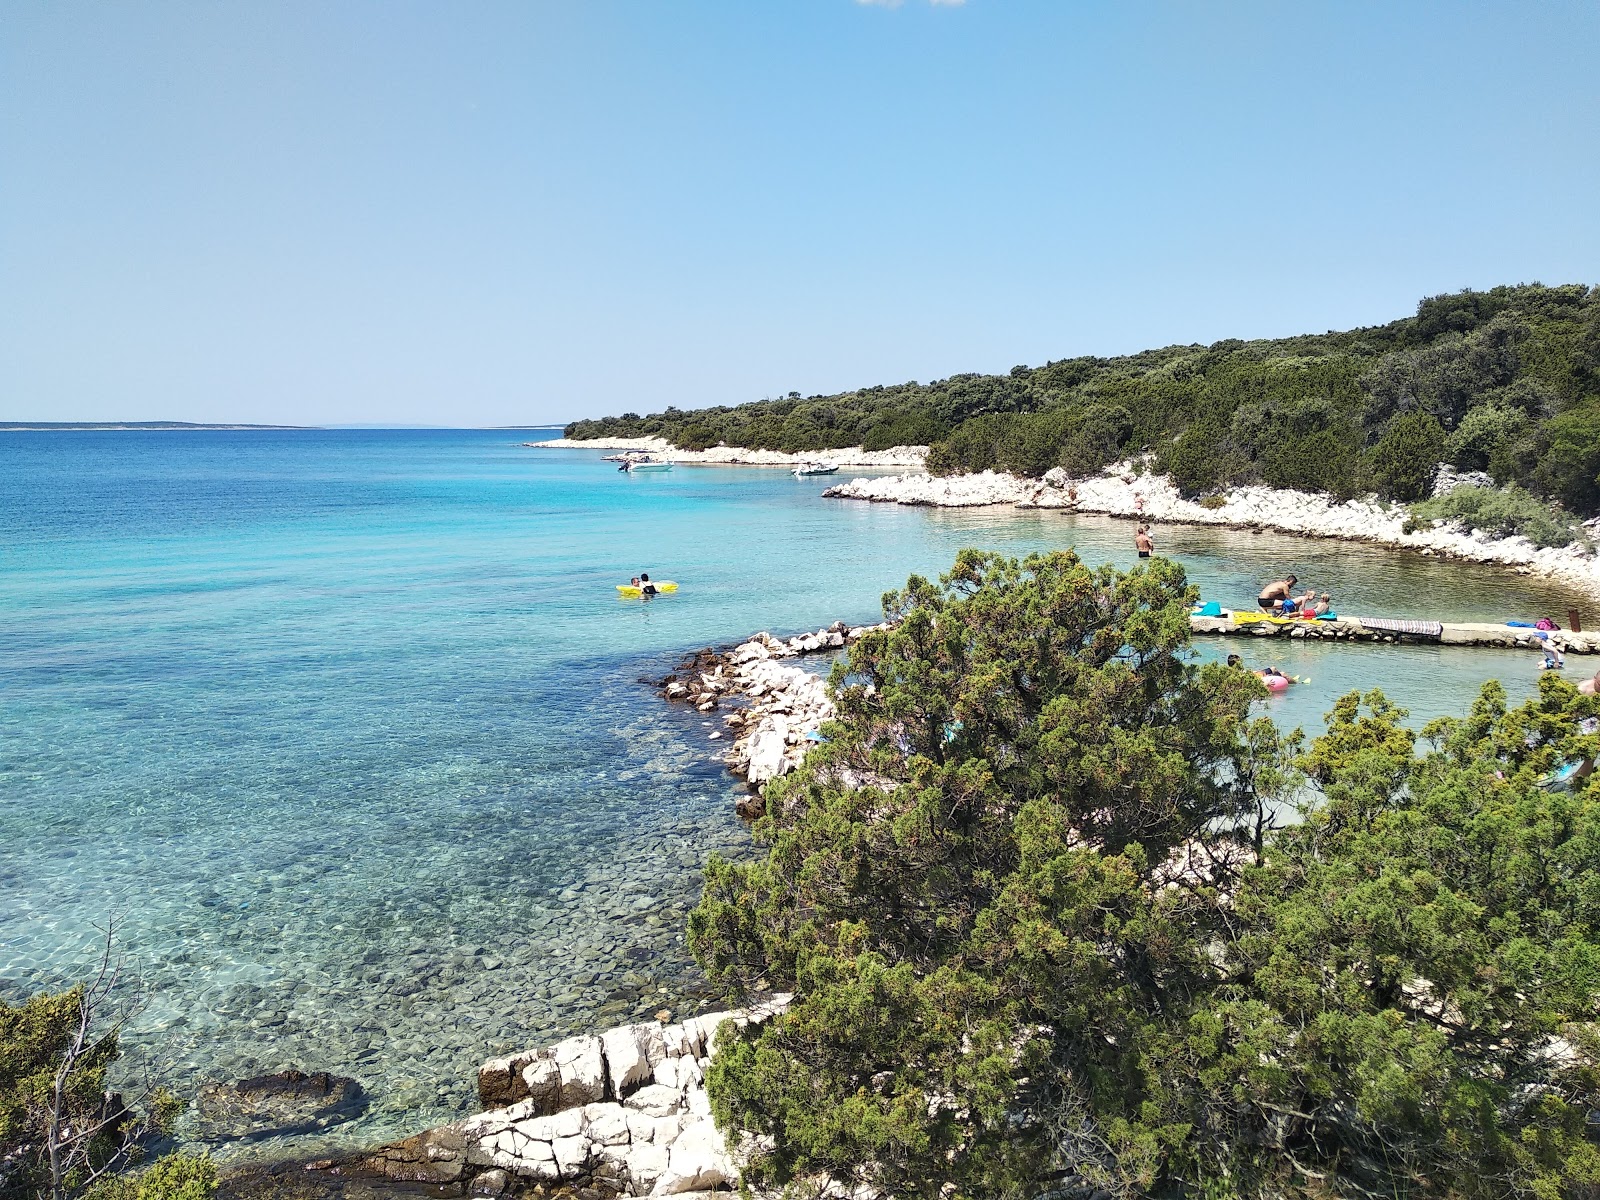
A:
{"points": [[483, 213]]}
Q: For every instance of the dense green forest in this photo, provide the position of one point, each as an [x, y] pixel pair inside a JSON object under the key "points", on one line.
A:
{"points": [[1506, 381]]}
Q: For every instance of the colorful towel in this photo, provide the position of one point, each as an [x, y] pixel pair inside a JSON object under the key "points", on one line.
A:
{"points": [[1250, 618], [1430, 629]]}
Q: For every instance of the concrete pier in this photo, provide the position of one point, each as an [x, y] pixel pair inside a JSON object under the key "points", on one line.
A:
{"points": [[1350, 629]]}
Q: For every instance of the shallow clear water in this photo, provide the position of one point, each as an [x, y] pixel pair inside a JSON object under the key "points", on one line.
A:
{"points": [[345, 728]]}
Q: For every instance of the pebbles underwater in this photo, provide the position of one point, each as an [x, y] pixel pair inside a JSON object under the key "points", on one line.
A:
{"points": [[368, 946]]}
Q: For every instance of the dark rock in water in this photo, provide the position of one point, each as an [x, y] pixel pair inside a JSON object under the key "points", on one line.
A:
{"points": [[437, 1158], [286, 1102], [324, 1180]]}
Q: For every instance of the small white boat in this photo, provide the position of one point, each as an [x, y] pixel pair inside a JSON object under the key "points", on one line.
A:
{"points": [[649, 464], [816, 468]]}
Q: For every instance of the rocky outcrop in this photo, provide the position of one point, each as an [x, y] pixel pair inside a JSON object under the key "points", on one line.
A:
{"points": [[1129, 490], [659, 448], [623, 1112], [777, 708], [285, 1102]]}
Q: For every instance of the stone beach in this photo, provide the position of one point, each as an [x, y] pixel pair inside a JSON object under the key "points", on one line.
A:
{"points": [[660, 448], [780, 707], [1129, 490], [418, 997]]}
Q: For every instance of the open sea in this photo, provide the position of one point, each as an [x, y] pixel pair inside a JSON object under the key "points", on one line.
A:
{"points": [[345, 730]]}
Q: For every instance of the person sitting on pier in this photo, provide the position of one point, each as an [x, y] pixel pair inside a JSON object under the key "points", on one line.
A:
{"points": [[1322, 606], [1273, 595]]}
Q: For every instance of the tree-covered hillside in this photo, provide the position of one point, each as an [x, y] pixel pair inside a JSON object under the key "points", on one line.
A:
{"points": [[1506, 380]]}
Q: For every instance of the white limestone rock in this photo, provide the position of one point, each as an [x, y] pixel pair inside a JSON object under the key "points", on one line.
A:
{"points": [[766, 751], [541, 1084], [656, 1100], [628, 1053], [583, 1070], [646, 1164], [608, 1124], [697, 1160], [572, 1155]]}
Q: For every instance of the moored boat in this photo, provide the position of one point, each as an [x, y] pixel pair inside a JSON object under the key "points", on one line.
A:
{"points": [[816, 468]]}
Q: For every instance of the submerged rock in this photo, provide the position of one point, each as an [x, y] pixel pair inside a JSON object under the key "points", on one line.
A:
{"points": [[284, 1102]]}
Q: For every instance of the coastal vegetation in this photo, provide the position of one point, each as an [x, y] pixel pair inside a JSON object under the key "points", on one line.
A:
{"points": [[1505, 381], [1061, 916], [64, 1133]]}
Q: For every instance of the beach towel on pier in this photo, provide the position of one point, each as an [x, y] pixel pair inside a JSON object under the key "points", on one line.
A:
{"points": [[1251, 618], [1428, 629]]}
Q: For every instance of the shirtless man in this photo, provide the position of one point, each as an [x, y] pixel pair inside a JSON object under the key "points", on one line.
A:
{"points": [[1276, 592], [1143, 543]]}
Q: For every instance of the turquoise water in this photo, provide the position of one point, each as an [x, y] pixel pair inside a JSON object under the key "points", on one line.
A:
{"points": [[344, 729]]}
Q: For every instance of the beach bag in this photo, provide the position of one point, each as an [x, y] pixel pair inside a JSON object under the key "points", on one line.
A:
{"points": [[1545, 623]]}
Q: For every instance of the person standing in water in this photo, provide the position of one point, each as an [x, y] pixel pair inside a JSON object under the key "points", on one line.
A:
{"points": [[1143, 543], [645, 586]]}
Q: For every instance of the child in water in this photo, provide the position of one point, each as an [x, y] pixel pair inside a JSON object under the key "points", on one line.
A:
{"points": [[1554, 660]]}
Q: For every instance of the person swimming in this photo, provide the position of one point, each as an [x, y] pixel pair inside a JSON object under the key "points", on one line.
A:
{"points": [[1265, 674], [645, 586]]}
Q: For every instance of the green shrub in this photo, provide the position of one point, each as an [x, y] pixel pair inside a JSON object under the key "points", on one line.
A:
{"points": [[1501, 512], [1204, 458], [1569, 469], [1041, 926], [181, 1176], [1485, 433], [904, 429], [1406, 459], [1214, 501], [1095, 439], [97, 1133], [1317, 462]]}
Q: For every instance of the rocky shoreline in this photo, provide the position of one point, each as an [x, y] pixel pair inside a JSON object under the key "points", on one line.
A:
{"points": [[1127, 491], [623, 1112], [1131, 490], [777, 709], [900, 457]]}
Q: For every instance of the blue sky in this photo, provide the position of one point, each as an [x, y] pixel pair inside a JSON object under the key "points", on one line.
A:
{"points": [[495, 213]]}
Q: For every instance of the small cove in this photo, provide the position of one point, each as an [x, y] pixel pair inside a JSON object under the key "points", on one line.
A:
{"points": [[345, 727]]}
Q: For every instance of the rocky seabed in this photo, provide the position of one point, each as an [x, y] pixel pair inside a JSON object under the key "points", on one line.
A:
{"points": [[623, 1112], [851, 456], [1122, 492], [781, 706]]}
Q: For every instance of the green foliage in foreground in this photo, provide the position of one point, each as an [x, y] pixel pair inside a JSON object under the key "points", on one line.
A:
{"points": [[1502, 512], [1505, 380], [1044, 934], [53, 1087], [182, 1176]]}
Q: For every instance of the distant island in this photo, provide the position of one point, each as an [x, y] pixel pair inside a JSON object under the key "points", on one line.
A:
{"points": [[100, 426]]}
